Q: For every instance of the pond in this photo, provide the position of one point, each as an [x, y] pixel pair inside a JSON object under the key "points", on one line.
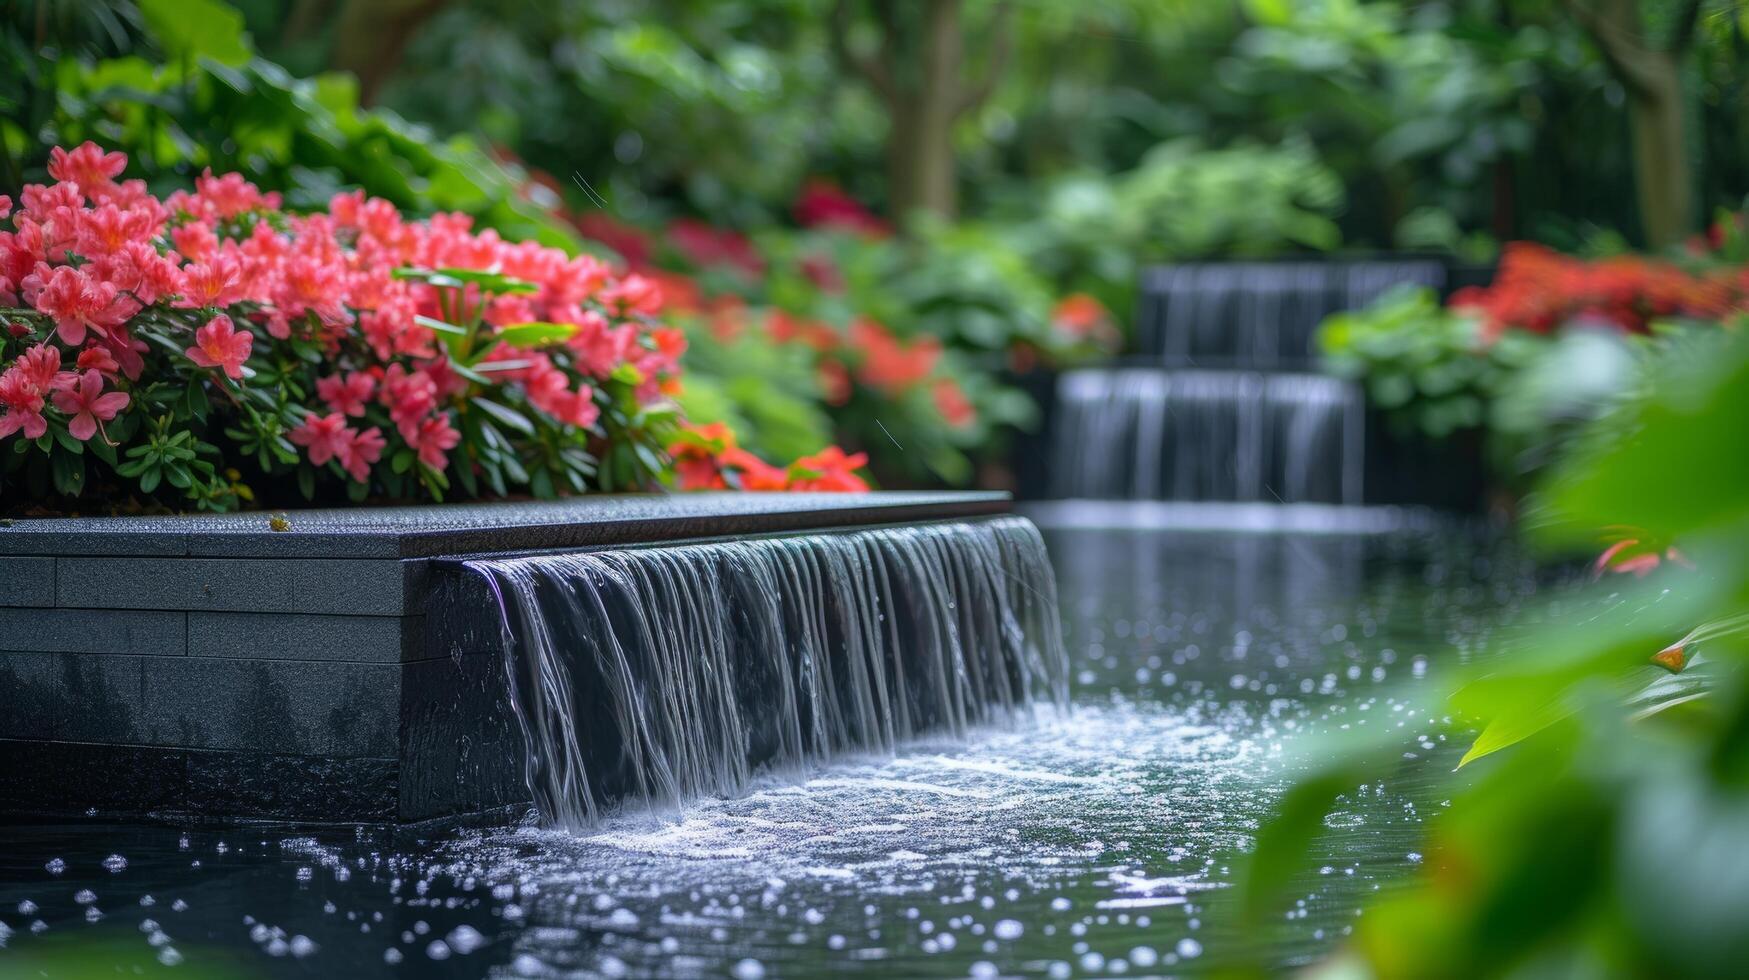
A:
{"points": [[1094, 842]]}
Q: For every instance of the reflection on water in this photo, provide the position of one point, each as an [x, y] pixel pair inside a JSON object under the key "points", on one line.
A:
{"points": [[1088, 843]]}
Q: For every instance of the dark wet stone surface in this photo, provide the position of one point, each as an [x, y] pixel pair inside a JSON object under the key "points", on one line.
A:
{"points": [[455, 529]]}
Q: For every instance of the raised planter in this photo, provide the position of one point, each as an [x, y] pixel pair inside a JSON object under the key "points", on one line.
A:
{"points": [[342, 669]]}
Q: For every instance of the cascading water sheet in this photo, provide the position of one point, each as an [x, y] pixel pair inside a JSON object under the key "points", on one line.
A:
{"points": [[663, 674], [1145, 434]]}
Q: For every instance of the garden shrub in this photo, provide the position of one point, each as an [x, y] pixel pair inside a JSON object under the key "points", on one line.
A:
{"points": [[211, 348]]}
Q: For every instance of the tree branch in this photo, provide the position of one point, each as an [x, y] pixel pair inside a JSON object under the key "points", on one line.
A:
{"points": [[1686, 22], [1622, 51], [1001, 46], [874, 71]]}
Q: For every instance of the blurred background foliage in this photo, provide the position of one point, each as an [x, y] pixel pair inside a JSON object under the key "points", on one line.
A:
{"points": [[987, 166]]}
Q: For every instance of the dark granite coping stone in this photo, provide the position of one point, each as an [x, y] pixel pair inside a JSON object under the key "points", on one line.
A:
{"points": [[477, 528]]}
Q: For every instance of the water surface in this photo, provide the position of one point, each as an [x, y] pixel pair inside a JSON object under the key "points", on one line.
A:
{"points": [[1093, 842]]}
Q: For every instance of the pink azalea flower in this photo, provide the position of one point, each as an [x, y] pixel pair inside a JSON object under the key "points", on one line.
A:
{"points": [[219, 344], [347, 394], [88, 405], [41, 366], [210, 283], [434, 439], [5, 207], [325, 436], [363, 449], [23, 401], [86, 165], [408, 395], [98, 359], [76, 301]]}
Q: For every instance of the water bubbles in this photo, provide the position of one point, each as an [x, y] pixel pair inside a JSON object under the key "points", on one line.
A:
{"points": [[55, 866], [115, 864], [27, 907], [748, 969], [1060, 904], [392, 956], [1188, 948], [84, 896], [437, 949], [464, 939], [1008, 930], [302, 946], [1144, 957], [169, 956]]}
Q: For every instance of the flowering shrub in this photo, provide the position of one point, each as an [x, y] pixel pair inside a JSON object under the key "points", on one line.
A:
{"points": [[212, 344], [1541, 290], [706, 457]]}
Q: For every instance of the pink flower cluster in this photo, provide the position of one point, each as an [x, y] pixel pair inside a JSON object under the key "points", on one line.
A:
{"points": [[224, 275]]}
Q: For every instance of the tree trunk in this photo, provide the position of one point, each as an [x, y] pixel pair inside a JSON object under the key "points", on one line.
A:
{"points": [[1652, 75], [1662, 180], [372, 36], [920, 161]]}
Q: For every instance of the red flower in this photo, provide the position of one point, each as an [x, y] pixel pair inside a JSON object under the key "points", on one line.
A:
{"points": [[98, 359], [951, 401], [433, 438], [75, 301], [88, 405], [346, 394], [23, 401], [363, 449], [220, 345], [831, 470], [86, 165], [822, 204], [324, 436]]}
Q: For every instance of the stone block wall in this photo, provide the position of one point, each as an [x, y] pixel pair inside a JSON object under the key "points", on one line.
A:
{"points": [[345, 669]]}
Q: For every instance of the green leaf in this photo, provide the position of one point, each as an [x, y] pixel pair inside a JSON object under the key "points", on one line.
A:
{"points": [[509, 416], [69, 473], [440, 326], [536, 334], [198, 404], [453, 278], [193, 29], [1514, 725]]}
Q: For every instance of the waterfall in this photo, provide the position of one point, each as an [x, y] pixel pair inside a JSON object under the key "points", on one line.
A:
{"points": [[1148, 434], [1259, 315], [1223, 416], [663, 674]]}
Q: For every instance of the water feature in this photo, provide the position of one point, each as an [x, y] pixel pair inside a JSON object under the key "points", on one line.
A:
{"points": [[1151, 434], [1259, 315], [1088, 842], [666, 674], [1222, 406]]}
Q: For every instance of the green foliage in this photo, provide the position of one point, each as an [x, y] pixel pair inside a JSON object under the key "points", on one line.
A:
{"points": [[195, 97], [1428, 368], [766, 392], [1089, 232], [1601, 826]]}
